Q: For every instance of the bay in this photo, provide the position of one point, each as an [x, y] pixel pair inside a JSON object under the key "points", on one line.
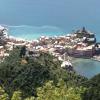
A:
{"points": [[86, 67]]}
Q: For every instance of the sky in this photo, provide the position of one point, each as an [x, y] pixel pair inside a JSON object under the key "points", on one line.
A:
{"points": [[59, 13]]}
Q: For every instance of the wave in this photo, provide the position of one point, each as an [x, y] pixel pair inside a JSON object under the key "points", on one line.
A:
{"points": [[44, 26], [31, 26]]}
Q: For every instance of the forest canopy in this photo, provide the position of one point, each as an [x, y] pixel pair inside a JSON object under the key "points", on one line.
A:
{"points": [[42, 78]]}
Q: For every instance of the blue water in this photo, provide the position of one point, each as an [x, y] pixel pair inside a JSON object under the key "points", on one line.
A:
{"points": [[86, 67], [33, 32], [29, 19]]}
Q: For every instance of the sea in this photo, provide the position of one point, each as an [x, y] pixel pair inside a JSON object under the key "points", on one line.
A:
{"points": [[34, 32], [30, 19]]}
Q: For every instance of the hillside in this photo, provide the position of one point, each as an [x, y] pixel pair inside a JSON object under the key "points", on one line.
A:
{"points": [[38, 77]]}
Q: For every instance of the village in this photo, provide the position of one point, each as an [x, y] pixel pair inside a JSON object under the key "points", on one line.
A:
{"points": [[81, 43]]}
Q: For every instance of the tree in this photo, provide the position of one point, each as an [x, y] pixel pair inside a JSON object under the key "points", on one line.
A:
{"points": [[17, 95], [17, 74], [60, 92], [2, 38], [23, 51], [93, 89], [30, 98], [3, 94]]}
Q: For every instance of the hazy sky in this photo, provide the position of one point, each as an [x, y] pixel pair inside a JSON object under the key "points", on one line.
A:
{"points": [[60, 13]]}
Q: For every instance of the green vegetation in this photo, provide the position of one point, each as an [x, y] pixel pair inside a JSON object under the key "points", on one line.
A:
{"points": [[40, 78], [3, 94], [17, 95], [59, 92], [93, 89]]}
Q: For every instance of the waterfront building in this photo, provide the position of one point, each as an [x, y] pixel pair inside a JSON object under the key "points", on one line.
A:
{"points": [[87, 36], [88, 51]]}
